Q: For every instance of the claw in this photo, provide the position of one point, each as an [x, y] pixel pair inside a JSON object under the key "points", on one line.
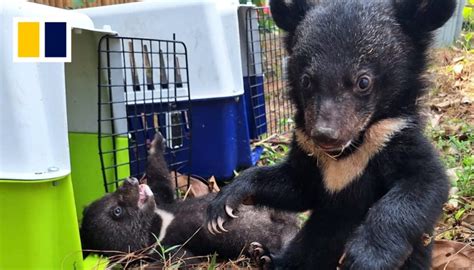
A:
{"points": [[214, 226], [220, 224], [341, 260], [209, 228], [255, 244], [266, 259], [229, 212], [259, 251]]}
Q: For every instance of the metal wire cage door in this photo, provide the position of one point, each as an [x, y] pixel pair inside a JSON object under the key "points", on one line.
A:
{"points": [[271, 111], [143, 88]]}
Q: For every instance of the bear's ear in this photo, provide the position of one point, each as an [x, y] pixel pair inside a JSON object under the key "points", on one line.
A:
{"points": [[287, 14], [423, 16]]}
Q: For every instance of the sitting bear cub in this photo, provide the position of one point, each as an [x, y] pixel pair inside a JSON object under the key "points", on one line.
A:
{"points": [[359, 158], [137, 215]]}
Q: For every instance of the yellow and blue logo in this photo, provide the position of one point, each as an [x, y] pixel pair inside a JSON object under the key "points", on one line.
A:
{"points": [[41, 40]]}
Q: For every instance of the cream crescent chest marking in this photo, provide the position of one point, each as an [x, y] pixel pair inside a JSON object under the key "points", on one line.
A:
{"points": [[337, 174]]}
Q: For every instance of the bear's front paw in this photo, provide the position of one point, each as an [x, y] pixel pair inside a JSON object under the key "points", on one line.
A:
{"points": [[223, 208]]}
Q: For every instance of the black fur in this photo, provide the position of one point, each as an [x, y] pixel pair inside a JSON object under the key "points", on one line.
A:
{"points": [[378, 219], [140, 225], [158, 173]]}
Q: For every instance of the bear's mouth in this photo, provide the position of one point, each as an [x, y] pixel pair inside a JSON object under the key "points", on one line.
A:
{"points": [[144, 195], [333, 148]]}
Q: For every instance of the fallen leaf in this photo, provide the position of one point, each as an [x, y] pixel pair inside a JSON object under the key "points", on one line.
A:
{"points": [[197, 187], [444, 104], [452, 205], [469, 219], [213, 187], [451, 255]]}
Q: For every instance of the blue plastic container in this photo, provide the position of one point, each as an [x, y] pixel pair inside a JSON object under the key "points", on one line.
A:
{"points": [[220, 138]]}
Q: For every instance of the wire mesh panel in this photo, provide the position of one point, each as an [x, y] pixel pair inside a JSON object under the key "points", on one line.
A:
{"points": [[271, 111], [143, 88]]}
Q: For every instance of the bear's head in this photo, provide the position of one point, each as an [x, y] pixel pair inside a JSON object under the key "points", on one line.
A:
{"points": [[119, 221], [353, 63]]}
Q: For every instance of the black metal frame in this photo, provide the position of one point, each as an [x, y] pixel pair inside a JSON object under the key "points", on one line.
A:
{"points": [[266, 59], [143, 88]]}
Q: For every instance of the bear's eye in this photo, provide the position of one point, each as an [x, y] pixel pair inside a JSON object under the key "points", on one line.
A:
{"points": [[117, 211], [364, 84], [306, 81]]}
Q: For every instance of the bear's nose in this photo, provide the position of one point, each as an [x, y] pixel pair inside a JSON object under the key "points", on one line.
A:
{"points": [[326, 137]]}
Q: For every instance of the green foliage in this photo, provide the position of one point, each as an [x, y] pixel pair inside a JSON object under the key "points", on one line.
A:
{"points": [[81, 3], [465, 181], [285, 121], [213, 263], [273, 153], [165, 251], [468, 16], [457, 153], [466, 41], [166, 255], [459, 213], [267, 25]]}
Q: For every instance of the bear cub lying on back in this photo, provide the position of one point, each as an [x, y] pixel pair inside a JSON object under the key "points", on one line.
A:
{"points": [[137, 215], [358, 157]]}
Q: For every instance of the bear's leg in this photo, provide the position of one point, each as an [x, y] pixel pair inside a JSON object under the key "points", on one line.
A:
{"points": [[319, 245], [420, 258]]}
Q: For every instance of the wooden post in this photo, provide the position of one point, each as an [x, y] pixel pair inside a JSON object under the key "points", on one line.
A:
{"points": [[67, 4], [58, 3]]}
